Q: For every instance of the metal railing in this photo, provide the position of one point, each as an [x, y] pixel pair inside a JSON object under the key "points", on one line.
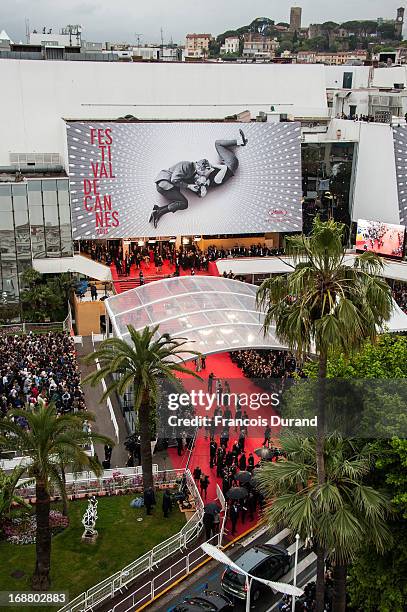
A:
{"points": [[109, 587], [149, 590], [25, 328], [112, 481], [109, 405], [98, 338]]}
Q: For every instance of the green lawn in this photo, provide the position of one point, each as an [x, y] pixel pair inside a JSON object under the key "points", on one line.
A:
{"points": [[75, 565]]}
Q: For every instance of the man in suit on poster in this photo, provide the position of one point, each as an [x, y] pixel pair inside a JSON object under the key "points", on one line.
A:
{"points": [[197, 177], [169, 183]]}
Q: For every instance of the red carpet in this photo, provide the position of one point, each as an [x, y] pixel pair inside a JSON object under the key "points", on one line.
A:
{"points": [[222, 367], [124, 283]]}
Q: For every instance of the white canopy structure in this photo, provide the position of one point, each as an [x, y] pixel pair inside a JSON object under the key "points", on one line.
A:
{"points": [[246, 266], [214, 314], [4, 36], [398, 320]]}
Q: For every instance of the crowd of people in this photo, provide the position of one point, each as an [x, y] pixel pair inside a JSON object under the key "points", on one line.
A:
{"points": [[226, 461], [399, 292], [99, 251], [307, 602], [255, 250], [356, 117], [152, 258], [228, 457], [267, 364], [227, 436], [38, 369], [366, 118]]}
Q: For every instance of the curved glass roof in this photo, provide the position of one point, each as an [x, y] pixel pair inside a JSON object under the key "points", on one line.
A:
{"points": [[214, 314]]}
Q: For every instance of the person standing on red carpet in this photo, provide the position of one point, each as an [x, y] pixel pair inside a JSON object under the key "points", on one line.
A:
{"points": [[212, 452], [204, 482]]}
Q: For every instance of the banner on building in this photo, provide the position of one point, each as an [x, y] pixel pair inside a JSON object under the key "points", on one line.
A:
{"points": [[400, 152], [183, 178]]}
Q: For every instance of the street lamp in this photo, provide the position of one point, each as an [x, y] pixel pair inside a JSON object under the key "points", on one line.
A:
{"points": [[297, 541], [280, 587]]}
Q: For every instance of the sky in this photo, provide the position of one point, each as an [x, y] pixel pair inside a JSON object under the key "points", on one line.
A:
{"points": [[122, 20]]}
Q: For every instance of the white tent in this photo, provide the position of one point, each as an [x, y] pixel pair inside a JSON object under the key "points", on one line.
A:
{"points": [[5, 36], [398, 321], [213, 313]]}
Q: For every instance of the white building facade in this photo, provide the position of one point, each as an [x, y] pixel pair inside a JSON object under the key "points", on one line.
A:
{"points": [[231, 45], [197, 45], [41, 95], [70, 36]]}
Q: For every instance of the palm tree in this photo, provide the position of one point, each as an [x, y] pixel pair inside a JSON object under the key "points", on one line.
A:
{"points": [[39, 299], [324, 306], [9, 489], [142, 365], [65, 284], [342, 515], [48, 438]]}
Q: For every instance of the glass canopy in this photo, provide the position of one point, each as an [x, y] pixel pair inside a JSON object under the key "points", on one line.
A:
{"points": [[214, 314]]}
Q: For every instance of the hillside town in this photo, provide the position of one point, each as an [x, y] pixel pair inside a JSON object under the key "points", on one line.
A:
{"points": [[364, 42]]}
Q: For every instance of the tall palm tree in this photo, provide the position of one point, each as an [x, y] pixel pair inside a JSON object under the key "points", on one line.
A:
{"points": [[342, 515], [9, 489], [322, 306], [47, 439], [142, 365]]}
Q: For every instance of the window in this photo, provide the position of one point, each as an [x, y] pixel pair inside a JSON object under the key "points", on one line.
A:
{"points": [[51, 218], [347, 80], [7, 240], [22, 228], [8, 278], [8, 263], [263, 570], [36, 218], [5, 199], [64, 218]]}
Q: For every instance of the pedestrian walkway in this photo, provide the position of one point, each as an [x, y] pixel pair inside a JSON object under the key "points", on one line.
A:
{"points": [[103, 423]]}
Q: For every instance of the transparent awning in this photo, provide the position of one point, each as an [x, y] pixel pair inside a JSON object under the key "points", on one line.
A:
{"points": [[214, 314]]}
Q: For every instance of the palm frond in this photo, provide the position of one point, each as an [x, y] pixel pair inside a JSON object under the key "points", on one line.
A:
{"points": [[343, 513]]}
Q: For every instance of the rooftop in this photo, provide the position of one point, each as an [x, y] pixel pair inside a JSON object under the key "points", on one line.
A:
{"points": [[199, 35], [5, 36]]}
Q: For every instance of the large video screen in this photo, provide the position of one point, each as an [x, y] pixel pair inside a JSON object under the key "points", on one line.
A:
{"points": [[381, 238], [183, 178]]}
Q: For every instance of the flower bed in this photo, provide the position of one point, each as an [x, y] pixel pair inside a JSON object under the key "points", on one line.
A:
{"points": [[22, 530]]}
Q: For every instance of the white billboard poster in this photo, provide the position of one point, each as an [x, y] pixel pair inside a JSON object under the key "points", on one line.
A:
{"points": [[183, 178], [400, 152]]}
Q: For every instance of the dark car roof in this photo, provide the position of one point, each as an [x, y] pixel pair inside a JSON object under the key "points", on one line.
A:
{"points": [[256, 555], [188, 606], [216, 598], [203, 602]]}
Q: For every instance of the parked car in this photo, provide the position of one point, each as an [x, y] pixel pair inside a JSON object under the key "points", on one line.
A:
{"points": [[267, 561], [208, 601]]}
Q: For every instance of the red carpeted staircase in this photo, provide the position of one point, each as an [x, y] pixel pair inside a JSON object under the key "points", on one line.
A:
{"points": [[124, 283]]}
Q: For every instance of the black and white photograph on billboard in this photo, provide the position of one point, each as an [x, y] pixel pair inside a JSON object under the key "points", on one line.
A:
{"points": [[184, 178]]}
